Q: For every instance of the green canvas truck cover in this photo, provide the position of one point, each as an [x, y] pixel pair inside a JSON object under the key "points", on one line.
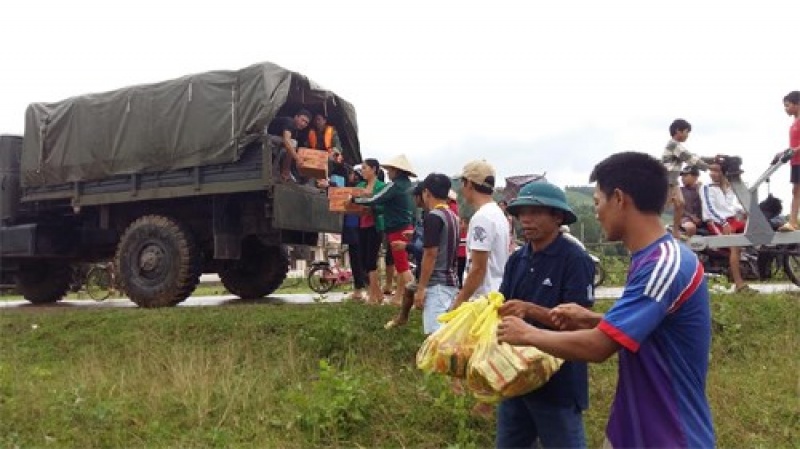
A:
{"points": [[191, 121]]}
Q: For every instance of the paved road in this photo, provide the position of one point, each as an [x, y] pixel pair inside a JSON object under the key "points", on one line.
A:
{"points": [[301, 298]]}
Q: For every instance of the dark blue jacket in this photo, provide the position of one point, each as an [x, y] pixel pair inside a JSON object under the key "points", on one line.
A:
{"points": [[560, 273]]}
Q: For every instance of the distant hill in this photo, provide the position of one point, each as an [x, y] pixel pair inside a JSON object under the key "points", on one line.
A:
{"points": [[578, 196]]}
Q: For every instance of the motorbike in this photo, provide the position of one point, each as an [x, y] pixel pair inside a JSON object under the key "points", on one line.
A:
{"points": [[599, 270], [716, 261], [765, 251]]}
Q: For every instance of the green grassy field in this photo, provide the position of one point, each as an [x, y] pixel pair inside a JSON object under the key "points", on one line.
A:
{"points": [[290, 285], [323, 375]]}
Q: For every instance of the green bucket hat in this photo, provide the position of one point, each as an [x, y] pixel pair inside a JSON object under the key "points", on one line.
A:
{"points": [[542, 193]]}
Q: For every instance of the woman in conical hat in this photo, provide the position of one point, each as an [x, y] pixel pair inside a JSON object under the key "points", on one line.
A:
{"points": [[398, 215], [400, 163]]}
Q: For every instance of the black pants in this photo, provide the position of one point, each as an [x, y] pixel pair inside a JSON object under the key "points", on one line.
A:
{"points": [[369, 241], [462, 263], [354, 250], [357, 266]]}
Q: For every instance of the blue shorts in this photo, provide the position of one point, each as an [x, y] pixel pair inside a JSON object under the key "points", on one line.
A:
{"points": [[438, 299], [521, 421]]}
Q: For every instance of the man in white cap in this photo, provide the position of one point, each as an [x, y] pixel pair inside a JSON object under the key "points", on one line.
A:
{"points": [[398, 215], [488, 234]]}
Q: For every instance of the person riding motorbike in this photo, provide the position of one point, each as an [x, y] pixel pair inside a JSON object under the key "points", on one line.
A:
{"points": [[724, 215]]}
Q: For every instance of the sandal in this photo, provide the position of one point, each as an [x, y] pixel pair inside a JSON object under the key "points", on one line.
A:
{"points": [[482, 410], [393, 323], [786, 227], [373, 302], [746, 290]]}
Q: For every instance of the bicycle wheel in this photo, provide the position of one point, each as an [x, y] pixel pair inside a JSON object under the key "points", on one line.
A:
{"points": [[321, 279], [98, 283], [791, 264]]}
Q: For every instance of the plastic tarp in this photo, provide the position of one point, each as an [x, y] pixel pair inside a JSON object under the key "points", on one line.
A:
{"points": [[195, 120]]}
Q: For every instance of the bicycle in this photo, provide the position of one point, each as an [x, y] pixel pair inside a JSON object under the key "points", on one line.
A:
{"points": [[100, 281], [324, 276]]}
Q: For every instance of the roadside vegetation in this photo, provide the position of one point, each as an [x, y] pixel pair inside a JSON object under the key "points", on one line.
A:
{"points": [[290, 286], [326, 375]]}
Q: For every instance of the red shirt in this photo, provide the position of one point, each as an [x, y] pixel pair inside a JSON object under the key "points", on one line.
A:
{"points": [[453, 206], [794, 140], [462, 244]]}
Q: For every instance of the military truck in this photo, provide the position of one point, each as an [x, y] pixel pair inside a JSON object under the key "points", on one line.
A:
{"points": [[168, 181]]}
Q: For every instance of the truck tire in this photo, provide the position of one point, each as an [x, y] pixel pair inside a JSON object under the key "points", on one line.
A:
{"points": [[157, 263], [259, 272], [44, 281]]}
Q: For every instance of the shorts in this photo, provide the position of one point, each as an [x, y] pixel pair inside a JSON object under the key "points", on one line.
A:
{"points": [[794, 176], [279, 150], [737, 226], [674, 195], [438, 299], [401, 264]]}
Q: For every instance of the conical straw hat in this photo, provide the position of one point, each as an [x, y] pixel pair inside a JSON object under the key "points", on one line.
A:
{"points": [[401, 163]]}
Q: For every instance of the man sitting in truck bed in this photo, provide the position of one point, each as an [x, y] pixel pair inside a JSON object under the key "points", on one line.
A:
{"points": [[323, 136], [286, 129]]}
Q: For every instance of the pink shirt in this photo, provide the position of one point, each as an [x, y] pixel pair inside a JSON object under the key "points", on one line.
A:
{"points": [[794, 140]]}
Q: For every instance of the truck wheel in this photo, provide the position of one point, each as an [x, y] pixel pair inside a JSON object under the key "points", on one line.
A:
{"points": [[259, 272], [44, 281], [157, 262]]}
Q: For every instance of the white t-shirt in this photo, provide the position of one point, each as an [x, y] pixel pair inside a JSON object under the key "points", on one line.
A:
{"points": [[489, 231]]}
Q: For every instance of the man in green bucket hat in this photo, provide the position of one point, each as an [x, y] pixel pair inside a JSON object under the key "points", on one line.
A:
{"points": [[549, 270]]}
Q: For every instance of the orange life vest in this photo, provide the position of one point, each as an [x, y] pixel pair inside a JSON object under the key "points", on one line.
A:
{"points": [[327, 138]]}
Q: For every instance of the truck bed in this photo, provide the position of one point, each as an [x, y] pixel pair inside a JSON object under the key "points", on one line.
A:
{"points": [[251, 173]]}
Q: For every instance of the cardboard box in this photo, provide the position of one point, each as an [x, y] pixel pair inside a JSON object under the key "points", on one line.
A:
{"points": [[339, 200], [313, 163]]}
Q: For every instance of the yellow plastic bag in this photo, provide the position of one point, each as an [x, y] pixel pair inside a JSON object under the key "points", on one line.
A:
{"points": [[482, 331], [499, 370], [448, 349]]}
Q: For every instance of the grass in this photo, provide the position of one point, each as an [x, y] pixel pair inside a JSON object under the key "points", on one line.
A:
{"points": [[290, 286], [322, 376]]}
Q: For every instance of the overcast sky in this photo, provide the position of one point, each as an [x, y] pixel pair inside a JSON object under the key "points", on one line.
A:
{"points": [[530, 86]]}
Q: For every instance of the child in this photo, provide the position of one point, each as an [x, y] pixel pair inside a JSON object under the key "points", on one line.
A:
{"points": [[673, 158]]}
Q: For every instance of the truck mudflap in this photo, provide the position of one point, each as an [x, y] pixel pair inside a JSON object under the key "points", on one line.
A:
{"points": [[303, 208]]}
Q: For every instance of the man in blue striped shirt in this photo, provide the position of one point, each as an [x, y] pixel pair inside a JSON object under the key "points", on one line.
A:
{"points": [[660, 327]]}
